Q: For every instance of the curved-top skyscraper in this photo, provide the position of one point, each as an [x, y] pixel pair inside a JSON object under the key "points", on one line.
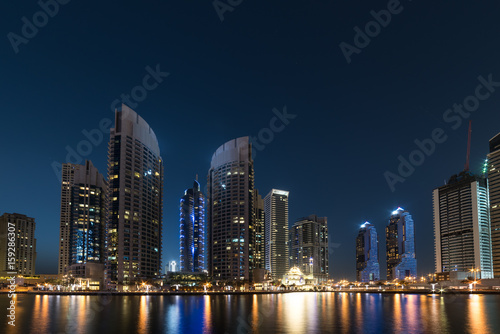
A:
{"points": [[231, 214], [400, 246], [134, 228], [367, 265]]}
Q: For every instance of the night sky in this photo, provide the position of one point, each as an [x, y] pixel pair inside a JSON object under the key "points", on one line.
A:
{"points": [[353, 120]]}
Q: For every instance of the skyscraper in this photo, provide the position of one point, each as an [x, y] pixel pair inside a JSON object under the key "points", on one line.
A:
{"points": [[83, 216], [192, 230], [462, 226], [276, 233], [172, 267], [400, 246], [231, 216], [309, 246], [367, 265], [134, 227], [494, 189], [259, 231], [21, 229]]}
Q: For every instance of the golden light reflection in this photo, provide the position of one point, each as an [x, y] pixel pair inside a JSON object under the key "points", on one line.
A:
{"points": [[477, 320], [143, 315], [398, 318], [255, 313], [207, 315], [344, 311], [279, 308], [359, 310], [324, 305], [300, 314], [40, 314]]}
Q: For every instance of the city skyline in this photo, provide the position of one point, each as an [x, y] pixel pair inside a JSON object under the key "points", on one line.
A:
{"points": [[128, 110], [209, 81], [232, 166]]}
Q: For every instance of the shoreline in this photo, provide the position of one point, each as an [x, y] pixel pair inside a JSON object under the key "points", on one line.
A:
{"points": [[213, 293]]}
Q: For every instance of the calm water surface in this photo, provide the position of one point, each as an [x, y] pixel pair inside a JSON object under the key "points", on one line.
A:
{"points": [[287, 313]]}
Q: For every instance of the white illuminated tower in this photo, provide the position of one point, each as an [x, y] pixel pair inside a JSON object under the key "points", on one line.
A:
{"points": [[276, 233]]}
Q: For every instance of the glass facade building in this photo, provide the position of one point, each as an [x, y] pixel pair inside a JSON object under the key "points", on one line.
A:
{"points": [[134, 226], [367, 263], [462, 226], [192, 230], [230, 212], [83, 216], [400, 246]]}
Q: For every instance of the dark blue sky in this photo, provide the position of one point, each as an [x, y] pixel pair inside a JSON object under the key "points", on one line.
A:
{"points": [[353, 120]]}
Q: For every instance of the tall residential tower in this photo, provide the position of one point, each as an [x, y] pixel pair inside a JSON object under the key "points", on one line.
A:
{"points": [[309, 246], [192, 230], [23, 228], [231, 215], [83, 217], [260, 241], [134, 228], [276, 233], [462, 226]]}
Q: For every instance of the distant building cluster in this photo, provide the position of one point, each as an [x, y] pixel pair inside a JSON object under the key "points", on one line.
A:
{"points": [[400, 249], [111, 228], [466, 230]]}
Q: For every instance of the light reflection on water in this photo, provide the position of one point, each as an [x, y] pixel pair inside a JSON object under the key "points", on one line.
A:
{"points": [[287, 313]]}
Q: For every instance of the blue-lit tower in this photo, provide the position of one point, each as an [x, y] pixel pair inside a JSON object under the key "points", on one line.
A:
{"points": [[83, 215], [367, 265], [400, 246], [192, 230]]}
